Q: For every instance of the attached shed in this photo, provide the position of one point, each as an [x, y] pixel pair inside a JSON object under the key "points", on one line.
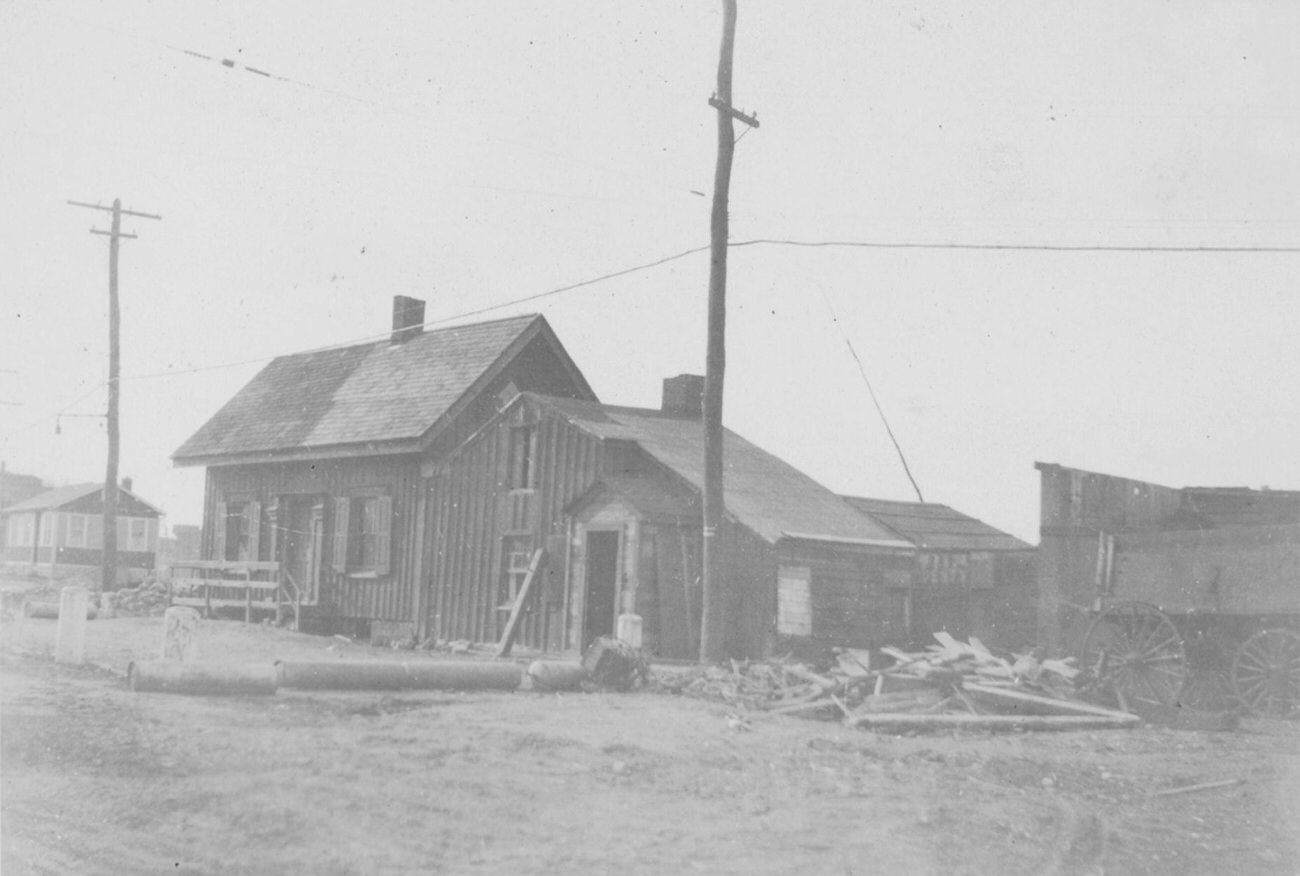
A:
{"points": [[968, 577], [613, 495], [61, 532]]}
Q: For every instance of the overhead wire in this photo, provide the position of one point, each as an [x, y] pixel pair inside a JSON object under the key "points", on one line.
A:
{"points": [[862, 369]]}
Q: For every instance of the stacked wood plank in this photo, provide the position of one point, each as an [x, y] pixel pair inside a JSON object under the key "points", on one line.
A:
{"points": [[951, 684]]}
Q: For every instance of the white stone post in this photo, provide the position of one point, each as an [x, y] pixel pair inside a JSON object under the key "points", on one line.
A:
{"points": [[180, 629], [629, 629], [70, 634]]}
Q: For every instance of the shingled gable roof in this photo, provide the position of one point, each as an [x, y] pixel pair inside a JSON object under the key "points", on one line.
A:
{"points": [[937, 527], [763, 493], [377, 397]]}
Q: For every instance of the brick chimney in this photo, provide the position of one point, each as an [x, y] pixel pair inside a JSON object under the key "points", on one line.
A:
{"points": [[127, 483], [408, 318], [684, 395]]}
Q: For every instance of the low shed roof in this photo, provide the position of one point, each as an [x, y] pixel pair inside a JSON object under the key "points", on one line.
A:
{"points": [[764, 493], [937, 527]]}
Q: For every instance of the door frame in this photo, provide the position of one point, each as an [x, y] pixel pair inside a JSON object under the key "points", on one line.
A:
{"points": [[620, 533]]}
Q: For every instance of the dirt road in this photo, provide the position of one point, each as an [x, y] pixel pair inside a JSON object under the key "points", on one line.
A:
{"points": [[96, 779]]}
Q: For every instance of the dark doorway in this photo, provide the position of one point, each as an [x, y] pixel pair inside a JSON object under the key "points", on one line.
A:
{"points": [[602, 585]]}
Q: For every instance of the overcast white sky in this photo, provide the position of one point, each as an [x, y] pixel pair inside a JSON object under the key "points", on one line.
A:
{"points": [[472, 153]]}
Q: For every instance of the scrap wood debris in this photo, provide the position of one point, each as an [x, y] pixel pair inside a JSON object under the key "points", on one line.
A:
{"points": [[919, 690]]}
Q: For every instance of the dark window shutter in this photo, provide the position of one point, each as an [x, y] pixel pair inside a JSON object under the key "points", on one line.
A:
{"points": [[383, 533], [219, 533], [254, 512], [340, 558]]}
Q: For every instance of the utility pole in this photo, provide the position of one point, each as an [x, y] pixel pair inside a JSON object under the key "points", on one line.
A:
{"points": [[108, 575], [713, 618]]}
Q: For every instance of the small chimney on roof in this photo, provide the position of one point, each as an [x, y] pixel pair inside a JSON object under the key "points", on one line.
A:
{"points": [[408, 318], [127, 484], [684, 395]]}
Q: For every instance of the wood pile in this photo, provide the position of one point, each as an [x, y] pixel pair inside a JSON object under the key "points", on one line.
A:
{"points": [[950, 684], [150, 599]]}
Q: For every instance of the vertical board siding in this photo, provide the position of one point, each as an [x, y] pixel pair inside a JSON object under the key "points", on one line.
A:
{"points": [[849, 602], [390, 597], [477, 508]]}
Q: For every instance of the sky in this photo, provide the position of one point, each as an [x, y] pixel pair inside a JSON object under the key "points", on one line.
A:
{"points": [[475, 153]]}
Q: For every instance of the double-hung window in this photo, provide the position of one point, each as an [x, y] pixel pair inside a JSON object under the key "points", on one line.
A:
{"points": [[362, 526]]}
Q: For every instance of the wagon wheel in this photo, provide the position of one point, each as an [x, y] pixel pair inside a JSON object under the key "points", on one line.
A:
{"points": [[1208, 687], [1133, 650], [1266, 673]]}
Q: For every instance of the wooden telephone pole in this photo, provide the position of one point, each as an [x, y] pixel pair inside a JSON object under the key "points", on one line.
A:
{"points": [[713, 618], [108, 576]]}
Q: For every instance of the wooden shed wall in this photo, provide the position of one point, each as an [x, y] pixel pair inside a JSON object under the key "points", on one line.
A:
{"points": [[849, 588], [390, 598], [472, 508], [1077, 506]]}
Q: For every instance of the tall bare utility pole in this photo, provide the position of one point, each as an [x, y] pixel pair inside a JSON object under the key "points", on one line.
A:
{"points": [[712, 621], [108, 577]]}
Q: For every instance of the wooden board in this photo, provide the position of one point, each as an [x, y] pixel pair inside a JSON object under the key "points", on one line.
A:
{"points": [[517, 610], [1020, 702]]}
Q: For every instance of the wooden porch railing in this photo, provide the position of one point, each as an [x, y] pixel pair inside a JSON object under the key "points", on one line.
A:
{"points": [[209, 584]]}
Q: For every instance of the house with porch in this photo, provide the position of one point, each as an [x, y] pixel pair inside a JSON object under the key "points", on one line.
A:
{"points": [[60, 533], [321, 463]]}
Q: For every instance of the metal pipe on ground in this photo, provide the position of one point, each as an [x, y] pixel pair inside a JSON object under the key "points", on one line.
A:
{"points": [[209, 679], [50, 610], [381, 675], [549, 675]]}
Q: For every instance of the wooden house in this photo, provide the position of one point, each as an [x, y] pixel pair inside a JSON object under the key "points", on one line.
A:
{"points": [[968, 578], [1187, 535], [61, 532], [321, 462], [611, 495]]}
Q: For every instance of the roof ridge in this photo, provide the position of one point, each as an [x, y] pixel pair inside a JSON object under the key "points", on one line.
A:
{"points": [[384, 338]]}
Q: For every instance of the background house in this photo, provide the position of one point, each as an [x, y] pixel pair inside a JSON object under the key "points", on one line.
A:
{"points": [[320, 462], [968, 578], [612, 494], [61, 532]]}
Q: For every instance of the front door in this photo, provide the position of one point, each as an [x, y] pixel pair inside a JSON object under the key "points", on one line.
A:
{"points": [[302, 544], [601, 586]]}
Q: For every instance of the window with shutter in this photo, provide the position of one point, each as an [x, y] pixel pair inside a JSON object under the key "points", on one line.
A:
{"points": [[219, 532], [342, 531]]}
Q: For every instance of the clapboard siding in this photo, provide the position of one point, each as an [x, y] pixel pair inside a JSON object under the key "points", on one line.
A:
{"points": [[390, 597]]}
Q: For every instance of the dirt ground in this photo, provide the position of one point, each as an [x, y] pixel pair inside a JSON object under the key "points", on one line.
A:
{"points": [[96, 779]]}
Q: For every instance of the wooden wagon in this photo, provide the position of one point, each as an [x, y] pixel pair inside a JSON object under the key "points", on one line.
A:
{"points": [[1199, 618]]}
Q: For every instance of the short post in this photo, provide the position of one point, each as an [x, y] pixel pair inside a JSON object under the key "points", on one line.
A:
{"points": [[70, 635], [180, 627], [629, 629]]}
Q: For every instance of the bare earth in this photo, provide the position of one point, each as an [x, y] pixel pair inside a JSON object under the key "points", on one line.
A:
{"points": [[96, 779]]}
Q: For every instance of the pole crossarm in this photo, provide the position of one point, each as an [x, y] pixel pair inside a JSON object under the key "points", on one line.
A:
{"points": [[751, 120], [120, 212]]}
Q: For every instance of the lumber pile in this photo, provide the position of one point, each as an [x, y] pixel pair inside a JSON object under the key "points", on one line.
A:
{"points": [[951, 684], [149, 599]]}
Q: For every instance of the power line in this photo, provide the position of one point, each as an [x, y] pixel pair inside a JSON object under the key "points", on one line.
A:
{"points": [[763, 241], [434, 322], [872, 392], [1011, 247]]}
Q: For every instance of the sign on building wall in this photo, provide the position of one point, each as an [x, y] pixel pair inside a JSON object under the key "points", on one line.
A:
{"points": [[794, 601]]}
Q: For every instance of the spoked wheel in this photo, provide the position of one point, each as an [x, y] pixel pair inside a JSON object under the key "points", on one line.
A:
{"points": [[1266, 673], [1208, 687], [1134, 651]]}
